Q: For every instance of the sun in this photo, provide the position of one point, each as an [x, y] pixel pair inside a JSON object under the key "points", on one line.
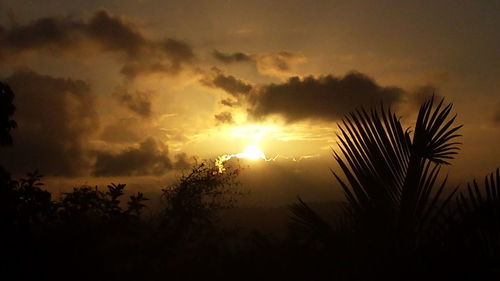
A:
{"points": [[252, 152]]}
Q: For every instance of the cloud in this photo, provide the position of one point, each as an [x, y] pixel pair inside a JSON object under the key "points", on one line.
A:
{"points": [[229, 102], [125, 130], [231, 85], [421, 94], [182, 161], [273, 64], [150, 158], [231, 58], [139, 103], [168, 57], [113, 34], [224, 117], [102, 32], [278, 64], [325, 97], [228, 83], [56, 119]]}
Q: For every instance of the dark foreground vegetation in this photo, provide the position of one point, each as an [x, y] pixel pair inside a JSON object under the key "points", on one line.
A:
{"points": [[399, 221]]}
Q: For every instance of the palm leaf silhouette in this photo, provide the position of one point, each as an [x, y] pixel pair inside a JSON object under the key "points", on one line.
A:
{"points": [[304, 219], [478, 212], [390, 174]]}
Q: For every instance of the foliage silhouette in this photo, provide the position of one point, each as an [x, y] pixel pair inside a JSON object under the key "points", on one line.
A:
{"points": [[391, 174], [86, 202], [474, 225], [7, 109], [191, 203], [397, 222]]}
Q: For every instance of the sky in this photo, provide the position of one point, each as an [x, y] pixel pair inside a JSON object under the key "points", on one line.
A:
{"points": [[136, 91]]}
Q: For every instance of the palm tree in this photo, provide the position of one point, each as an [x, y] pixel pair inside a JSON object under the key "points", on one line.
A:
{"points": [[391, 175]]}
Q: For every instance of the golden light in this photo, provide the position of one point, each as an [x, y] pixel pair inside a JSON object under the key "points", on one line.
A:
{"points": [[254, 133], [252, 152]]}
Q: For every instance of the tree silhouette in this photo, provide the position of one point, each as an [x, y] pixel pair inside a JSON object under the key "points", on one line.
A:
{"points": [[190, 204], [7, 109]]}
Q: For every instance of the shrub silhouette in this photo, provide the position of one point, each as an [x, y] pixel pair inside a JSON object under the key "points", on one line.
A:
{"points": [[191, 203], [86, 202], [24, 202]]}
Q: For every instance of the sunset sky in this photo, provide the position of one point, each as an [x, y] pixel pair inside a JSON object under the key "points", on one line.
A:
{"points": [[133, 90]]}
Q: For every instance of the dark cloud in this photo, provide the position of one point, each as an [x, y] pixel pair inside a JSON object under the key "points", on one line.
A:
{"points": [[229, 102], [56, 118], [114, 34], [422, 93], [126, 130], [178, 51], [325, 97], [228, 83], [167, 57], [281, 60], [266, 63], [182, 162], [150, 158], [224, 117], [231, 85], [230, 58], [139, 102], [103, 32], [54, 35]]}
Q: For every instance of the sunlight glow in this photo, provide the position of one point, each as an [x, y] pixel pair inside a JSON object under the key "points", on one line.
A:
{"points": [[252, 152], [253, 133]]}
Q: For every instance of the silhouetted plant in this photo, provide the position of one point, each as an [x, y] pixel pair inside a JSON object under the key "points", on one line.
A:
{"points": [[390, 176], [478, 218], [25, 202], [7, 109], [8, 199], [91, 203], [192, 201], [135, 204]]}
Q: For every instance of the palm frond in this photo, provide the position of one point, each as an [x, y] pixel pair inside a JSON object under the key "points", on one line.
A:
{"points": [[375, 151], [478, 216], [433, 133], [305, 220], [389, 175], [478, 197], [432, 143]]}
